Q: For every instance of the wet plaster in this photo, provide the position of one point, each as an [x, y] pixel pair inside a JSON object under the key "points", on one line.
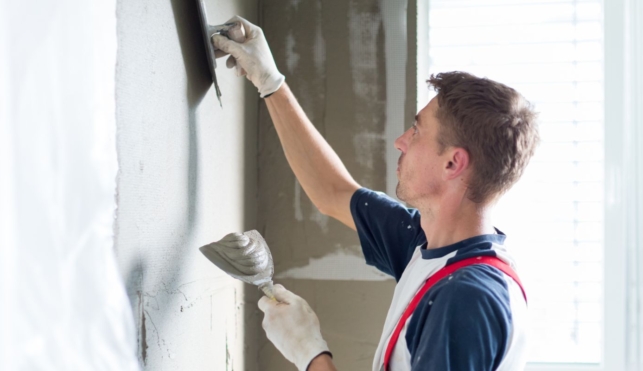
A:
{"points": [[187, 178]]}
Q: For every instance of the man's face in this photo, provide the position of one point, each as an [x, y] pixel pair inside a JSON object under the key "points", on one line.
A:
{"points": [[419, 170]]}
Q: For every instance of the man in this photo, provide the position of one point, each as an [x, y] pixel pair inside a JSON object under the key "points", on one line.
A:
{"points": [[467, 147]]}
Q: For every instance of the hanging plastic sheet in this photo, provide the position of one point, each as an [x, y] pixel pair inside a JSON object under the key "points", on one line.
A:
{"points": [[62, 302]]}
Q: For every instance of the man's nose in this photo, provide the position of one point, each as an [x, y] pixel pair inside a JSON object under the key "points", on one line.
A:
{"points": [[400, 142]]}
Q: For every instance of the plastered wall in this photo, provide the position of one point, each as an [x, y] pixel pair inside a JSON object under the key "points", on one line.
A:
{"points": [[346, 62], [187, 177]]}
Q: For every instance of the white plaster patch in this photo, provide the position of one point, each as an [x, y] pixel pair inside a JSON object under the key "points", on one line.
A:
{"points": [[320, 219], [396, 58], [319, 50], [295, 3], [292, 57], [299, 216], [362, 31], [336, 266], [364, 144]]}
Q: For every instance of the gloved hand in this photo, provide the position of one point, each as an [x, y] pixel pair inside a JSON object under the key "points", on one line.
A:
{"points": [[252, 56], [293, 327]]}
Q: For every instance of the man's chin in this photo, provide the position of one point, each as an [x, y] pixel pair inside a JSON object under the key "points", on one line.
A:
{"points": [[403, 195], [399, 192]]}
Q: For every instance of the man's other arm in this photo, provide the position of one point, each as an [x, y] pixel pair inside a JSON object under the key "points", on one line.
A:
{"points": [[322, 362]]}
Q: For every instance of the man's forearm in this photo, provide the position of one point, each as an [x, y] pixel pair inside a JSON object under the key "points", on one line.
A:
{"points": [[319, 170], [322, 362]]}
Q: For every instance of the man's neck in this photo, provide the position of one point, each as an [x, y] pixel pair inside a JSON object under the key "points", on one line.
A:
{"points": [[445, 226]]}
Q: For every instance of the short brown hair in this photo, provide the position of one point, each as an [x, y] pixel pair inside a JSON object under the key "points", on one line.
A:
{"points": [[491, 121]]}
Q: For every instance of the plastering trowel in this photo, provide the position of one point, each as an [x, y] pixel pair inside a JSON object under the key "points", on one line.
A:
{"points": [[233, 31], [244, 256]]}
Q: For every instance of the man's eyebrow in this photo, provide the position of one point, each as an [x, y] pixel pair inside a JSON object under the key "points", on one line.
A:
{"points": [[417, 119]]}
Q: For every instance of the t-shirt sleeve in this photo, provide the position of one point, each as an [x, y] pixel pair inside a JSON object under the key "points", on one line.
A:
{"points": [[388, 231], [463, 325]]}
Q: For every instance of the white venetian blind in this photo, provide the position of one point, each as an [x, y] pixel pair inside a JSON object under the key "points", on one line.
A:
{"points": [[552, 52]]}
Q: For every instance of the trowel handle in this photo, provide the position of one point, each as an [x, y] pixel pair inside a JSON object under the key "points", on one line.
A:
{"points": [[237, 33], [268, 290], [233, 31]]}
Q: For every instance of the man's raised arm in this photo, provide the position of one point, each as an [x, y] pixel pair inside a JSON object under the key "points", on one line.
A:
{"points": [[319, 170], [317, 167]]}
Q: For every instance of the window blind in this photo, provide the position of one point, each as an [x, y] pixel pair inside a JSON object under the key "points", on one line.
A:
{"points": [[552, 52]]}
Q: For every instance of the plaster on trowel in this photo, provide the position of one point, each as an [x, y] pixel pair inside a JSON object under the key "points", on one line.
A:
{"points": [[233, 30], [244, 256]]}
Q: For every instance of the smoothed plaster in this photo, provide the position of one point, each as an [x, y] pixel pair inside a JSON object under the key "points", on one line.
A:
{"points": [[187, 178]]}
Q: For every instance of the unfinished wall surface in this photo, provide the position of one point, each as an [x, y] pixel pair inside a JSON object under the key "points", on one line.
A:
{"points": [[187, 178], [346, 63]]}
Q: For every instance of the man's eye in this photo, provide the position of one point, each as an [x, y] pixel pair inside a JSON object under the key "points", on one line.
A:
{"points": [[415, 129]]}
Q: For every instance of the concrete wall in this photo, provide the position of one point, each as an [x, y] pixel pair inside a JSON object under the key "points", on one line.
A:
{"points": [[346, 62], [187, 177]]}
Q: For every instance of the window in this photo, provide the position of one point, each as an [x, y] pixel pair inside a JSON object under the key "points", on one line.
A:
{"points": [[552, 52]]}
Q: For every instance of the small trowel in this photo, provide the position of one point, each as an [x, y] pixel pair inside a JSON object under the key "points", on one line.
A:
{"points": [[251, 263], [234, 31]]}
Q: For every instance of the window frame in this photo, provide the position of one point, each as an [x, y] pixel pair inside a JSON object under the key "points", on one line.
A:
{"points": [[617, 207], [616, 204]]}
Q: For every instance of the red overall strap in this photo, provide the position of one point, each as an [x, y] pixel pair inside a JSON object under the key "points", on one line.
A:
{"points": [[435, 278]]}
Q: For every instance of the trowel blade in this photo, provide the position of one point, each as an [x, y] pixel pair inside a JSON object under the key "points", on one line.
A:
{"points": [[210, 251], [209, 48]]}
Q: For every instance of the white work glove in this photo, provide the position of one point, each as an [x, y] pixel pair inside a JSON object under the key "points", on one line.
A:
{"points": [[252, 57], [293, 327]]}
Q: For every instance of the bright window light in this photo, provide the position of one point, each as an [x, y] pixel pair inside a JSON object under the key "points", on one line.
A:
{"points": [[552, 52]]}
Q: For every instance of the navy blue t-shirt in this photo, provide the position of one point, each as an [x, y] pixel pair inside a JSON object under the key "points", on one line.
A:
{"points": [[461, 323]]}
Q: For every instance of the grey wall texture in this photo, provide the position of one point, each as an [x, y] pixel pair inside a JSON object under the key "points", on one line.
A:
{"points": [[187, 178], [333, 56]]}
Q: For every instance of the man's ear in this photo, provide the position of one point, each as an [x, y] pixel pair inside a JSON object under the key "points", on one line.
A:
{"points": [[457, 163]]}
